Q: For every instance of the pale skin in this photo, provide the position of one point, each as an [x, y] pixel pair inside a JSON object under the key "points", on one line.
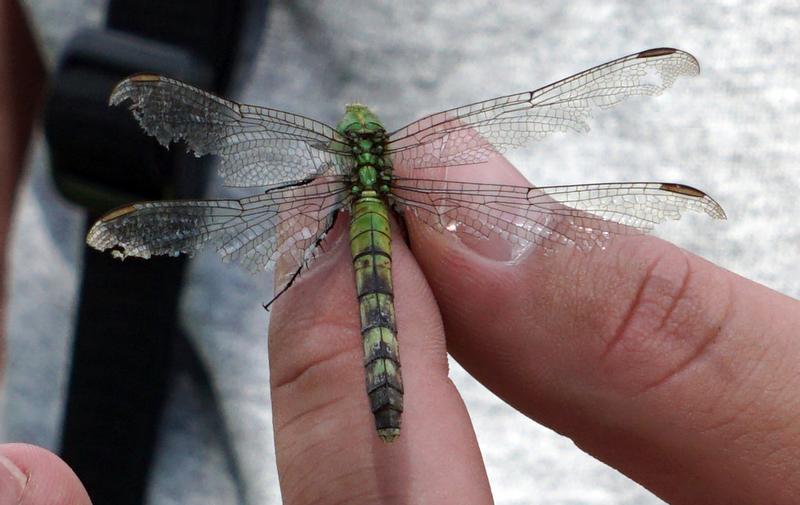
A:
{"points": [[28, 475], [678, 373]]}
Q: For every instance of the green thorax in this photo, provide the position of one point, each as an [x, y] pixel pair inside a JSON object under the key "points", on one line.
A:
{"points": [[365, 138]]}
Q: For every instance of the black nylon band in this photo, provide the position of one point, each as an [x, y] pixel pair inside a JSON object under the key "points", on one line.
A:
{"points": [[127, 320], [207, 27]]}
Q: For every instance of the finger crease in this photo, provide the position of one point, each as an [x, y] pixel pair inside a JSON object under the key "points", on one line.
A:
{"points": [[631, 312]]}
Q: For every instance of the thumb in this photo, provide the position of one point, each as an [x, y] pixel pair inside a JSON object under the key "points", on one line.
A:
{"points": [[678, 373], [30, 475]]}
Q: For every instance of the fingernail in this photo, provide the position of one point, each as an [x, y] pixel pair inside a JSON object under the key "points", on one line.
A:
{"points": [[492, 246], [12, 482], [485, 231], [487, 244]]}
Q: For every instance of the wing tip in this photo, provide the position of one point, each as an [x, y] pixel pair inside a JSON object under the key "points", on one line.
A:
{"points": [[121, 90], [96, 237], [666, 51], [713, 208]]}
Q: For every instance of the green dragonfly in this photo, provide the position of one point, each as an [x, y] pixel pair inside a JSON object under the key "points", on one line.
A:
{"points": [[312, 171]]}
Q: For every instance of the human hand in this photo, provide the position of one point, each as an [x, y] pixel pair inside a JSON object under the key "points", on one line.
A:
{"points": [[28, 475], [678, 373]]}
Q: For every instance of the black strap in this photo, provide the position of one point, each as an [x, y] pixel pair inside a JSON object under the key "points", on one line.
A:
{"points": [[127, 319]]}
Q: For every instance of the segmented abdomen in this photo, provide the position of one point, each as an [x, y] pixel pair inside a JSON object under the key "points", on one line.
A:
{"points": [[370, 244]]}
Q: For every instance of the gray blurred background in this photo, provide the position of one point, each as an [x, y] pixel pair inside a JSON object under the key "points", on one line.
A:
{"points": [[732, 131]]}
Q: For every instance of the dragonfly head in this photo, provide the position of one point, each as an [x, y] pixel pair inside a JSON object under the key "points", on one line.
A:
{"points": [[358, 119]]}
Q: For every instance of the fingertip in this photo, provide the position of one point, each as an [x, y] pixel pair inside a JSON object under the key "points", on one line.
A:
{"points": [[31, 475], [465, 242], [12, 481]]}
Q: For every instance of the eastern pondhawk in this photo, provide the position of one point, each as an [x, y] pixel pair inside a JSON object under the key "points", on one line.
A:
{"points": [[312, 171]]}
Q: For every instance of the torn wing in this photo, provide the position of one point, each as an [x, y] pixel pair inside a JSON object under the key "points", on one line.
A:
{"points": [[257, 146], [474, 133], [285, 223], [583, 216]]}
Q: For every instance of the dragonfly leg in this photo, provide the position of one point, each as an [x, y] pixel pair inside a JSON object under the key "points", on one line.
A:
{"points": [[312, 251]]}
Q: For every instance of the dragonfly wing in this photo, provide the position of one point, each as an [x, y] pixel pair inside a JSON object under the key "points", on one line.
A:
{"points": [[258, 146], [474, 133], [281, 224], [583, 216]]}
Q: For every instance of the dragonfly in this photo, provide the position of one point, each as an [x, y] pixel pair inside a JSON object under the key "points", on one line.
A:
{"points": [[311, 172]]}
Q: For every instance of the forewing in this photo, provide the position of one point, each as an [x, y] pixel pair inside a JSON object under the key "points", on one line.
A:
{"points": [[474, 133], [257, 146], [283, 223], [583, 216]]}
